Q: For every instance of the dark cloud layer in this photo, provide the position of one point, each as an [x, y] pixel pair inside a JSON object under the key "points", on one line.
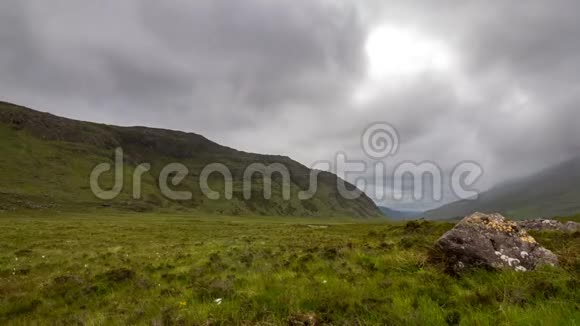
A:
{"points": [[284, 77]]}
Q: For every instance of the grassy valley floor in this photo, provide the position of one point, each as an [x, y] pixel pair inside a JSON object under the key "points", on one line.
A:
{"points": [[108, 268]]}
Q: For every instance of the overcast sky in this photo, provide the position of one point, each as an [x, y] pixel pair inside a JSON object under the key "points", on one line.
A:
{"points": [[492, 82]]}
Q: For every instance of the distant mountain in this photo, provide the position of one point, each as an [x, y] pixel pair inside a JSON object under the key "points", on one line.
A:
{"points": [[45, 162], [399, 215], [552, 192]]}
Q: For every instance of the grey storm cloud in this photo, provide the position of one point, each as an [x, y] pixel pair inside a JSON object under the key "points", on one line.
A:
{"points": [[283, 77]]}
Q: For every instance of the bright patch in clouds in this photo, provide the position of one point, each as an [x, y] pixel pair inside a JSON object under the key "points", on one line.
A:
{"points": [[396, 52]]}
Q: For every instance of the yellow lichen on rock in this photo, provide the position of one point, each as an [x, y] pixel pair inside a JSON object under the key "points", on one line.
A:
{"points": [[527, 238], [493, 221]]}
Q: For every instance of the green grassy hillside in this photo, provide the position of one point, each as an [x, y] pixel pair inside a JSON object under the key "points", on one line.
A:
{"points": [[45, 162], [552, 192]]}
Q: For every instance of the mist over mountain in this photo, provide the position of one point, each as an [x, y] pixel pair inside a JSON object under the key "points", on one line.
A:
{"points": [[552, 192], [399, 214]]}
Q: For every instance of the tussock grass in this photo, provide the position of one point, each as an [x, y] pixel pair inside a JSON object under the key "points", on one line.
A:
{"points": [[169, 269]]}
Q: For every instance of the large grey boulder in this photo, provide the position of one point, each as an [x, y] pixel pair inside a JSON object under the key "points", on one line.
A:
{"points": [[549, 225], [491, 241]]}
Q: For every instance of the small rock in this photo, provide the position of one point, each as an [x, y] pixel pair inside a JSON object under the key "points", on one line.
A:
{"points": [[549, 225], [308, 319]]}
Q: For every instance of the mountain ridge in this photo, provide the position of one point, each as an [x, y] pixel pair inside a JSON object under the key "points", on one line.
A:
{"points": [[35, 142], [554, 191]]}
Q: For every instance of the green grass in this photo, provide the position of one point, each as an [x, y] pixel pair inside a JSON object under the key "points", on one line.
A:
{"points": [[122, 268], [573, 218]]}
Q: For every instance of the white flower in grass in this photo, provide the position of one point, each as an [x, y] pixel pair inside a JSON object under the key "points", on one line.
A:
{"points": [[43, 256], [324, 282], [218, 301]]}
